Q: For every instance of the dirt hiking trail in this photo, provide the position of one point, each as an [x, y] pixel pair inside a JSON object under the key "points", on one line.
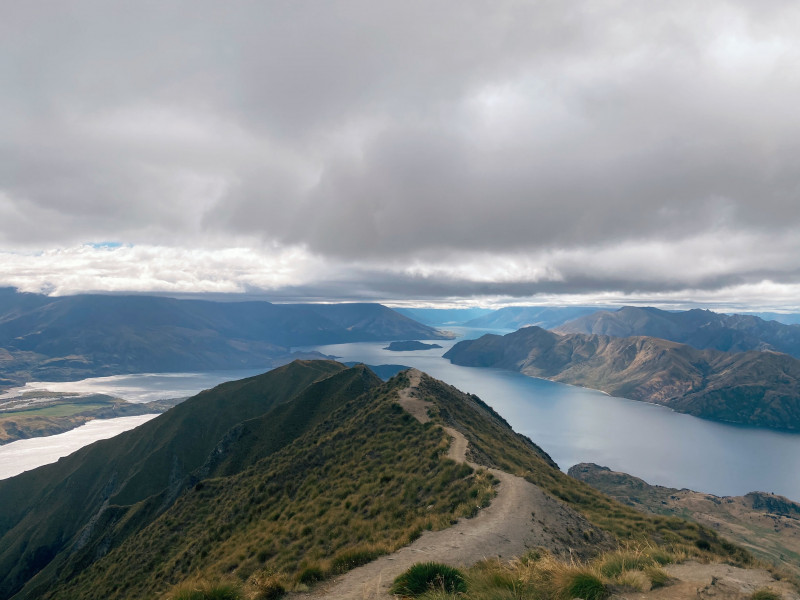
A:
{"points": [[520, 517]]}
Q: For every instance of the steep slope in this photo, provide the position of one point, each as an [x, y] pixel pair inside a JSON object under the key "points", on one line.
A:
{"points": [[754, 388], [698, 328], [514, 317], [91, 335], [306, 472], [153, 463], [766, 524], [195, 488]]}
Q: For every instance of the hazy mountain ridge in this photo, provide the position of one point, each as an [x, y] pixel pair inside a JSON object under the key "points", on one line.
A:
{"points": [[698, 328], [514, 317], [443, 316], [753, 388], [91, 335]]}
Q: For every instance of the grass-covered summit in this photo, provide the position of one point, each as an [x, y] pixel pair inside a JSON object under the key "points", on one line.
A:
{"points": [[305, 470]]}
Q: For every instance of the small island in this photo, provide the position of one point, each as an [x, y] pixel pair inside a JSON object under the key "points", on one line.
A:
{"points": [[410, 345]]}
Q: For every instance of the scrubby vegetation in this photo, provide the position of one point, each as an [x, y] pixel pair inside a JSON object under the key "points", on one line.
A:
{"points": [[765, 594], [540, 576], [204, 590], [364, 481], [424, 577], [493, 443], [313, 470]]}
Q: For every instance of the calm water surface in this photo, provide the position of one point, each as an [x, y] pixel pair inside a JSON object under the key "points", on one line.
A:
{"points": [[140, 387], [572, 424], [24, 455], [580, 425]]}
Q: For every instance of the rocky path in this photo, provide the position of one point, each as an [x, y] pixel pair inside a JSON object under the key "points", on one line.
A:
{"points": [[520, 517]]}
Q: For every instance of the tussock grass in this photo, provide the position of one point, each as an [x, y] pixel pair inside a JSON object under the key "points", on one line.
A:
{"points": [[631, 558], [658, 577], [205, 590], [424, 577], [363, 482], [633, 580], [539, 575], [493, 443]]}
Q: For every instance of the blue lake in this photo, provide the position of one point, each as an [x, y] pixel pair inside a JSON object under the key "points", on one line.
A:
{"points": [[572, 424], [577, 425]]}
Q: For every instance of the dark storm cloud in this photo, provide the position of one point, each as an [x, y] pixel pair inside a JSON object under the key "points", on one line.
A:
{"points": [[376, 133]]}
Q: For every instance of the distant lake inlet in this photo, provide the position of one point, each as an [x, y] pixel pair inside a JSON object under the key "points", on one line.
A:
{"points": [[572, 424]]}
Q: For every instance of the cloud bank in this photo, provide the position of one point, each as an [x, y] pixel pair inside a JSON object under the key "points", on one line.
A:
{"points": [[403, 150]]}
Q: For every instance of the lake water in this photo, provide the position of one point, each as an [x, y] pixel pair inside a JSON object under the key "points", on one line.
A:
{"points": [[572, 424], [140, 387], [575, 425], [24, 455]]}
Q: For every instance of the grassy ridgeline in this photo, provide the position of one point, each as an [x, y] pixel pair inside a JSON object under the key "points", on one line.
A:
{"points": [[295, 475], [359, 481], [493, 443]]}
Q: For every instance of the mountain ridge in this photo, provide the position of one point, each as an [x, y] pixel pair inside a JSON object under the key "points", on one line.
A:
{"points": [[698, 328], [74, 337], [308, 470], [751, 388]]}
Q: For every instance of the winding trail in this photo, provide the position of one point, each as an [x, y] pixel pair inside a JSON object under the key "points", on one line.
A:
{"points": [[520, 517]]}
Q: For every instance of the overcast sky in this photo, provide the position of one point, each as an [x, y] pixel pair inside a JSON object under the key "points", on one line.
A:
{"points": [[415, 152]]}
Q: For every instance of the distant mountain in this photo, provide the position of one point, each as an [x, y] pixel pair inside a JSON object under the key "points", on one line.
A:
{"points": [[514, 317], [90, 335], [443, 316], [698, 328], [752, 388], [785, 318]]}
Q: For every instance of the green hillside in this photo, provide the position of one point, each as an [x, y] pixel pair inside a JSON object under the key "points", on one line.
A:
{"points": [[292, 476], [284, 470]]}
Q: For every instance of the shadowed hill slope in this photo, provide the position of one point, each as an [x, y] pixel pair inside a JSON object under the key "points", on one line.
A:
{"points": [[753, 388], [156, 461]]}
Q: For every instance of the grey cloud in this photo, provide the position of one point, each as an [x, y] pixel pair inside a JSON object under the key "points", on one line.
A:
{"points": [[403, 131]]}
